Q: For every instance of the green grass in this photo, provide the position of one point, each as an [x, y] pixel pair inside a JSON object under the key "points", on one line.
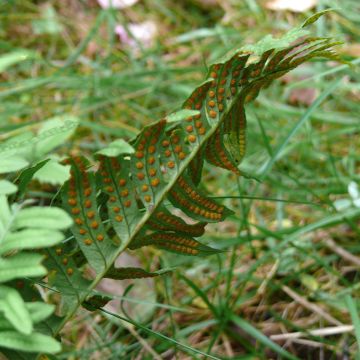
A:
{"points": [[305, 155]]}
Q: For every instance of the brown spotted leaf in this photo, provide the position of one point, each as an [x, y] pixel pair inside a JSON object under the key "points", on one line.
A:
{"points": [[164, 220], [96, 302], [124, 273], [177, 243], [79, 198], [65, 276], [194, 203]]}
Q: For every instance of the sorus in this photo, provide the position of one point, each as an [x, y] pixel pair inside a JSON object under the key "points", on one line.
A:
{"points": [[118, 218], [182, 155], [122, 182], [155, 182], [72, 202], [212, 113], [94, 225], [124, 193], [140, 176], [192, 138]]}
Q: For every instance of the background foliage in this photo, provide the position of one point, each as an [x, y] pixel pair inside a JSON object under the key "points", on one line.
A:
{"points": [[291, 252]]}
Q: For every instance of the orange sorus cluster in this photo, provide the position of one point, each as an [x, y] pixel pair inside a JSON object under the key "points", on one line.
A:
{"points": [[280, 56], [173, 148], [124, 192], [146, 159], [216, 94], [115, 165], [176, 242], [179, 248], [256, 69], [171, 222], [194, 195], [195, 166], [194, 130], [195, 102], [64, 261], [235, 121], [82, 206], [218, 155], [195, 209], [194, 230], [217, 89]]}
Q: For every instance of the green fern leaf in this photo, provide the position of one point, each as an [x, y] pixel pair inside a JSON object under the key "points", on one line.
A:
{"points": [[30, 239], [34, 342], [39, 311], [12, 163], [52, 173], [21, 265], [27, 175], [42, 218], [14, 310], [7, 188], [22, 229]]}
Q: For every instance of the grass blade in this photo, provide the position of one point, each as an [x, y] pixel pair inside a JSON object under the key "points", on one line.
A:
{"points": [[259, 336], [351, 305]]}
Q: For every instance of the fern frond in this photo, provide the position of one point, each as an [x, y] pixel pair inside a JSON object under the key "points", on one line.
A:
{"points": [[164, 162], [23, 230]]}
